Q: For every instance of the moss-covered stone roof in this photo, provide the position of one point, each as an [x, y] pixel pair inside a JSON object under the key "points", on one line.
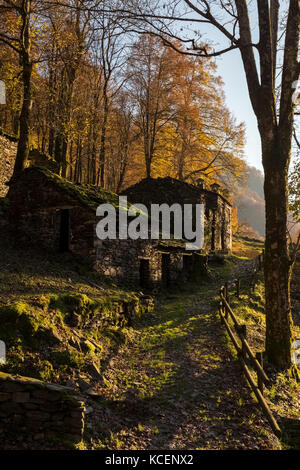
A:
{"points": [[169, 190], [172, 243], [156, 190], [90, 196]]}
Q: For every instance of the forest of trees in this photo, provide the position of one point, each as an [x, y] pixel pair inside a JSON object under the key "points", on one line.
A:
{"points": [[112, 106], [117, 90]]}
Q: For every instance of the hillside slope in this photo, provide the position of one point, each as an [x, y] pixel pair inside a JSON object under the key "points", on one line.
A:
{"points": [[249, 200], [58, 319]]}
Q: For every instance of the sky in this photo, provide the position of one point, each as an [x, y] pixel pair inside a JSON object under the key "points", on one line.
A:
{"points": [[231, 70]]}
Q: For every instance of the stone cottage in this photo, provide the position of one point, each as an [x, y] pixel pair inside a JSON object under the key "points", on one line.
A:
{"points": [[218, 211], [61, 216]]}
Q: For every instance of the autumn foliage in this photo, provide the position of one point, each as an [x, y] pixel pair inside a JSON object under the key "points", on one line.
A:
{"points": [[112, 109]]}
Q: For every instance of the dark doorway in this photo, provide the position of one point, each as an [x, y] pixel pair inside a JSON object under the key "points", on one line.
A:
{"points": [[223, 238], [213, 232], [144, 273], [64, 232], [165, 269], [187, 265]]}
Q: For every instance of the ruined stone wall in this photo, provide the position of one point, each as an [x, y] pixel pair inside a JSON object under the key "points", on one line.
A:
{"points": [[8, 150], [218, 223], [223, 226], [171, 191], [36, 214], [177, 267], [4, 208], [228, 227], [38, 409], [121, 259]]}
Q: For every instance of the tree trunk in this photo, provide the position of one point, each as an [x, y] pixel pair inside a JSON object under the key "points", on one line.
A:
{"points": [[148, 149], [277, 260], [58, 149], [102, 154], [52, 86], [51, 141], [148, 166], [23, 145], [16, 122], [68, 76]]}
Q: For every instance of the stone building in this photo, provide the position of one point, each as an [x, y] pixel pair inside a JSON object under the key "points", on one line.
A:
{"points": [[218, 211], [52, 212]]}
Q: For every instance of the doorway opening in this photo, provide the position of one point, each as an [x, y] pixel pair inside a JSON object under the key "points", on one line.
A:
{"points": [[144, 273], [223, 244], [213, 232], [165, 269], [187, 265], [64, 231]]}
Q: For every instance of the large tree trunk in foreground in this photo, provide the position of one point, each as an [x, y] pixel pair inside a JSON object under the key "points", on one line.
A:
{"points": [[277, 259]]}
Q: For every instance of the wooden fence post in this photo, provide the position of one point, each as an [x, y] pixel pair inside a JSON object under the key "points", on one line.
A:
{"points": [[260, 383], [225, 310], [226, 291], [243, 333], [244, 352]]}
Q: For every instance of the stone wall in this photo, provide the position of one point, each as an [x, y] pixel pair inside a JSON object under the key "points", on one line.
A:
{"points": [[37, 205], [39, 410], [218, 223], [8, 150], [171, 191], [36, 215], [4, 208], [121, 259]]}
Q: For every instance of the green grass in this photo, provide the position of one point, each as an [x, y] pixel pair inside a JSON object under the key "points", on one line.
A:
{"points": [[283, 395], [56, 316], [166, 366], [60, 320], [246, 248]]}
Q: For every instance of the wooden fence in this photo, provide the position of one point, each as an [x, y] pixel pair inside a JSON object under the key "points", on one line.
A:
{"points": [[238, 336]]}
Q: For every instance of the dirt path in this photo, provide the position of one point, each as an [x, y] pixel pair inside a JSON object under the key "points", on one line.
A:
{"points": [[175, 385]]}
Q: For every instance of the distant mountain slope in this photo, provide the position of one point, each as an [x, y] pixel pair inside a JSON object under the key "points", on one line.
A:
{"points": [[249, 200]]}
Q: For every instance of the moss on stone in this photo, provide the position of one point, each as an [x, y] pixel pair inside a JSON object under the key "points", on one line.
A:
{"points": [[20, 321], [69, 357], [90, 196]]}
